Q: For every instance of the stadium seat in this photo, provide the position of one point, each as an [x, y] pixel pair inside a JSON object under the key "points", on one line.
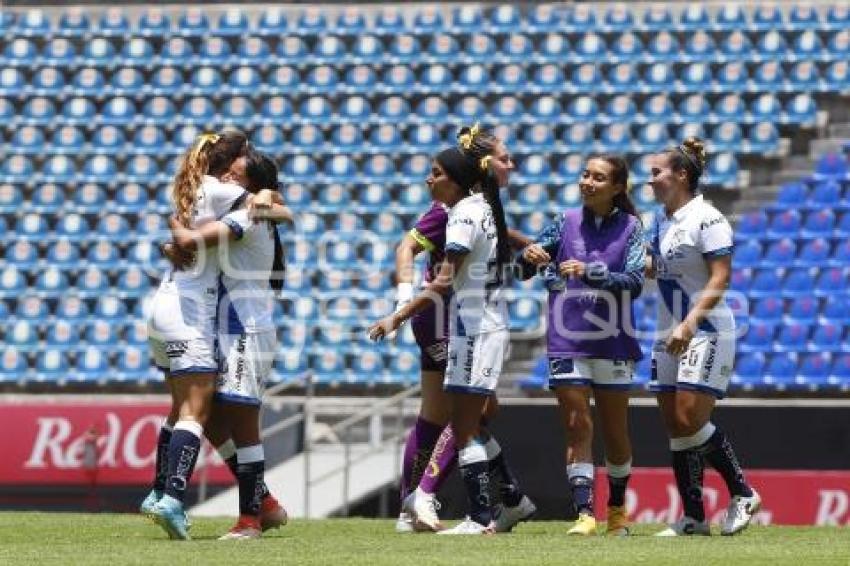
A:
{"points": [[663, 47], [815, 370], [769, 77], [781, 371], [233, 22], [836, 311], [272, 22], [51, 283], [32, 307], [749, 371], [12, 280], [132, 365], [828, 337], [193, 23], [831, 166], [769, 309], [72, 308], [736, 46], [832, 282], [803, 16], [813, 254], [585, 78], [62, 336], [726, 137], [47, 200], [803, 310], [759, 337], [580, 18], [784, 224], [790, 196], [700, 47], [31, 227], [22, 335], [64, 254], [52, 366], [92, 366]]}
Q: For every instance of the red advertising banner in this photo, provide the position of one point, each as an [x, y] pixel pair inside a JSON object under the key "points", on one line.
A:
{"points": [[74, 442], [788, 497]]}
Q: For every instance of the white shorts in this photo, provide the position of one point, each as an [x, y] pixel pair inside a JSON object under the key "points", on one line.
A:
{"points": [[597, 372], [246, 363], [176, 346], [475, 362], [706, 366]]}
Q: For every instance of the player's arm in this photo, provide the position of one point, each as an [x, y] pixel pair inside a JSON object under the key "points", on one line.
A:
{"points": [[207, 236], [518, 240], [268, 205], [438, 288], [413, 244], [541, 251]]}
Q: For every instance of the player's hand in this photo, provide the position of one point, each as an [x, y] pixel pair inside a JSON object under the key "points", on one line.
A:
{"points": [[536, 255], [680, 339], [649, 269], [384, 327], [259, 203], [179, 258], [572, 268]]}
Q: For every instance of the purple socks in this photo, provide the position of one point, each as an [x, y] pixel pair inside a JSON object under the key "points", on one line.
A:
{"points": [[417, 452], [443, 461]]}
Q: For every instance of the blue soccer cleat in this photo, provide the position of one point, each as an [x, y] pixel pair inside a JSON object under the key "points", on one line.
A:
{"points": [[146, 508], [169, 514]]}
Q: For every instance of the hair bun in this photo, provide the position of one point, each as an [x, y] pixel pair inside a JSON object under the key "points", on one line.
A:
{"points": [[695, 147]]}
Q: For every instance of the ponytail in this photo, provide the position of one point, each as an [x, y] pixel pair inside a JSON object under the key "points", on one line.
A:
{"points": [[490, 190], [190, 175]]}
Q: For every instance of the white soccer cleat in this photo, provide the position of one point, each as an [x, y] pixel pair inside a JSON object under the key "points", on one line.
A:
{"points": [[739, 513], [470, 527], [686, 527], [424, 511], [509, 517], [404, 523]]}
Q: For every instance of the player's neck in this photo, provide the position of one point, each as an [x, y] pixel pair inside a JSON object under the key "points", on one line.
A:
{"points": [[677, 203]]}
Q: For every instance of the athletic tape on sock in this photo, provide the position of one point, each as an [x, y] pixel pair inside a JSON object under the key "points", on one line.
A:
{"points": [[473, 452], [248, 454], [619, 470], [699, 438], [227, 450], [493, 448], [193, 427], [580, 470]]}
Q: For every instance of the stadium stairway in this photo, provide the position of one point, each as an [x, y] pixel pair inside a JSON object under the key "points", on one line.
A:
{"points": [[374, 469]]}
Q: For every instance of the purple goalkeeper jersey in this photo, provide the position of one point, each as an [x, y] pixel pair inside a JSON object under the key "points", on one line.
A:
{"points": [[430, 232]]}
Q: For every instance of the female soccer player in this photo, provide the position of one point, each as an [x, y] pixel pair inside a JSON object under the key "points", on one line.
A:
{"points": [[182, 325], [594, 264], [430, 453], [246, 333], [692, 359], [476, 250]]}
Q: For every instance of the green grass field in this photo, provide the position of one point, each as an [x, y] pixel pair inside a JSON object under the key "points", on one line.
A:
{"points": [[55, 538]]}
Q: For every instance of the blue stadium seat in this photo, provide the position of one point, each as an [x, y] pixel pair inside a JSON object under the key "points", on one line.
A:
{"points": [[825, 195], [272, 22], [385, 224], [233, 22], [769, 77], [570, 167], [623, 78], [700, 47], [815, 370], [109, 140], [176, 52], [659, 77], [404, 48], [328, 367], [814, 253], [504, 18], [819, 224], [154, 23], [276, 109], [19, 53], [442, 49], [329, 50], [798, 283], [351, 21], [415, 197], [803, 310], [832, 282], [347, 138], [316, 109], [805, 76], [747, 254], [580, 18], [733, 77], [92, 366], [193, 23], [31, 227], [736, 46], [808, 46], [590, 47], [836, 311], [33, 308], [17, 169], [790, 196], [74, 22], [104, 256], [404, 367], [769, 309], [585, 78], [554, 47], [828, 337], [21, 336], [581, 108], [534, 169], [841, 254], [509, 108], [830, 166], [467, 18], [47, 199], [394, 109], [132, 283], [781, 371], [767, 17], [62, 336], [578, 138], [312, 21], [244, 80], [110, 308], [780, 253], [101, 332], [378, 168], [538, 137], [731, 17], [12, 280], [64, 254], [159, 110], [361, 78], [166, 81], [726, 137], [759, 337], [72, 308], [99, 169], [722, 170], [11, 199], [385, 137], [150, 140], [253, 50], [617, 137], [765, 283], [115, 227], [206, 80], [838, 45], [87, 82], [29, 140], [132, 365], [473, 78], [52, 366], [38, 111], [663, 47], [516, 47], [803, 16], [763, 138], [628, 47], [432, 109], [749, 371], [434, 78], [290, 365], [542, 18]]}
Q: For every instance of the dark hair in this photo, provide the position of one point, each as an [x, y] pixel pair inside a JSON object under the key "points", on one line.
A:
{"points": [[479, 144], [619, 176], [260, 170], [690, 156], [231, 144]]}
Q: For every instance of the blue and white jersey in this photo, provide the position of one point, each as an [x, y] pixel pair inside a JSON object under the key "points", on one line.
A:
{"points": [[680, 246], [479, 306], [246, 300]]}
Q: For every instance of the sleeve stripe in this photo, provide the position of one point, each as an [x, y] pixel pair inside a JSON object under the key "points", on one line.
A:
{"points": [[422, 240], [234, 227], [456, 248], [719, 252]]}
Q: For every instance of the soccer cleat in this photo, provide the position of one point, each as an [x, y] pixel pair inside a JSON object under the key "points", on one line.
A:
{"points": [[146, 508], [470, 527], [246, 528], [169, 514], [739, 514], [404, 523], [686, 527], [509, 517], [618, 522], [424, 512], [272, 514], [585, 525]]}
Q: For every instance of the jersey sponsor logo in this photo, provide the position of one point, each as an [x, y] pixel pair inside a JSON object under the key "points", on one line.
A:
{"points": [[710, 357], [467, 366], [176, 348], [712, 222], [456, 221]]}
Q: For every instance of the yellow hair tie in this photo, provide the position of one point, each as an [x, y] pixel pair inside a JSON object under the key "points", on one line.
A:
{"points": [[202, 141], [485, 162], [468, 138]]}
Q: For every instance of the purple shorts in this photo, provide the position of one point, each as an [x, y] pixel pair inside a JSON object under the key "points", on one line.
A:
{"points": [[433, 344]]}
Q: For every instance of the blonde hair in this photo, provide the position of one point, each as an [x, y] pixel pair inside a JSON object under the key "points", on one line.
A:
{"points": [[190, 175]]}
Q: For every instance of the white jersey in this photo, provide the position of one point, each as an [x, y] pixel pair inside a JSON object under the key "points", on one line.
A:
{"points": [[246, 301], [680, 246], [200, 281], [478, 305]]}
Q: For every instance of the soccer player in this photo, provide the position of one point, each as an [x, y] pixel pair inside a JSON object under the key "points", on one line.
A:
{"points": [[430, 454], [476, 250], [246, 333], [593, 263], [181, 326], [692, 358]]}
